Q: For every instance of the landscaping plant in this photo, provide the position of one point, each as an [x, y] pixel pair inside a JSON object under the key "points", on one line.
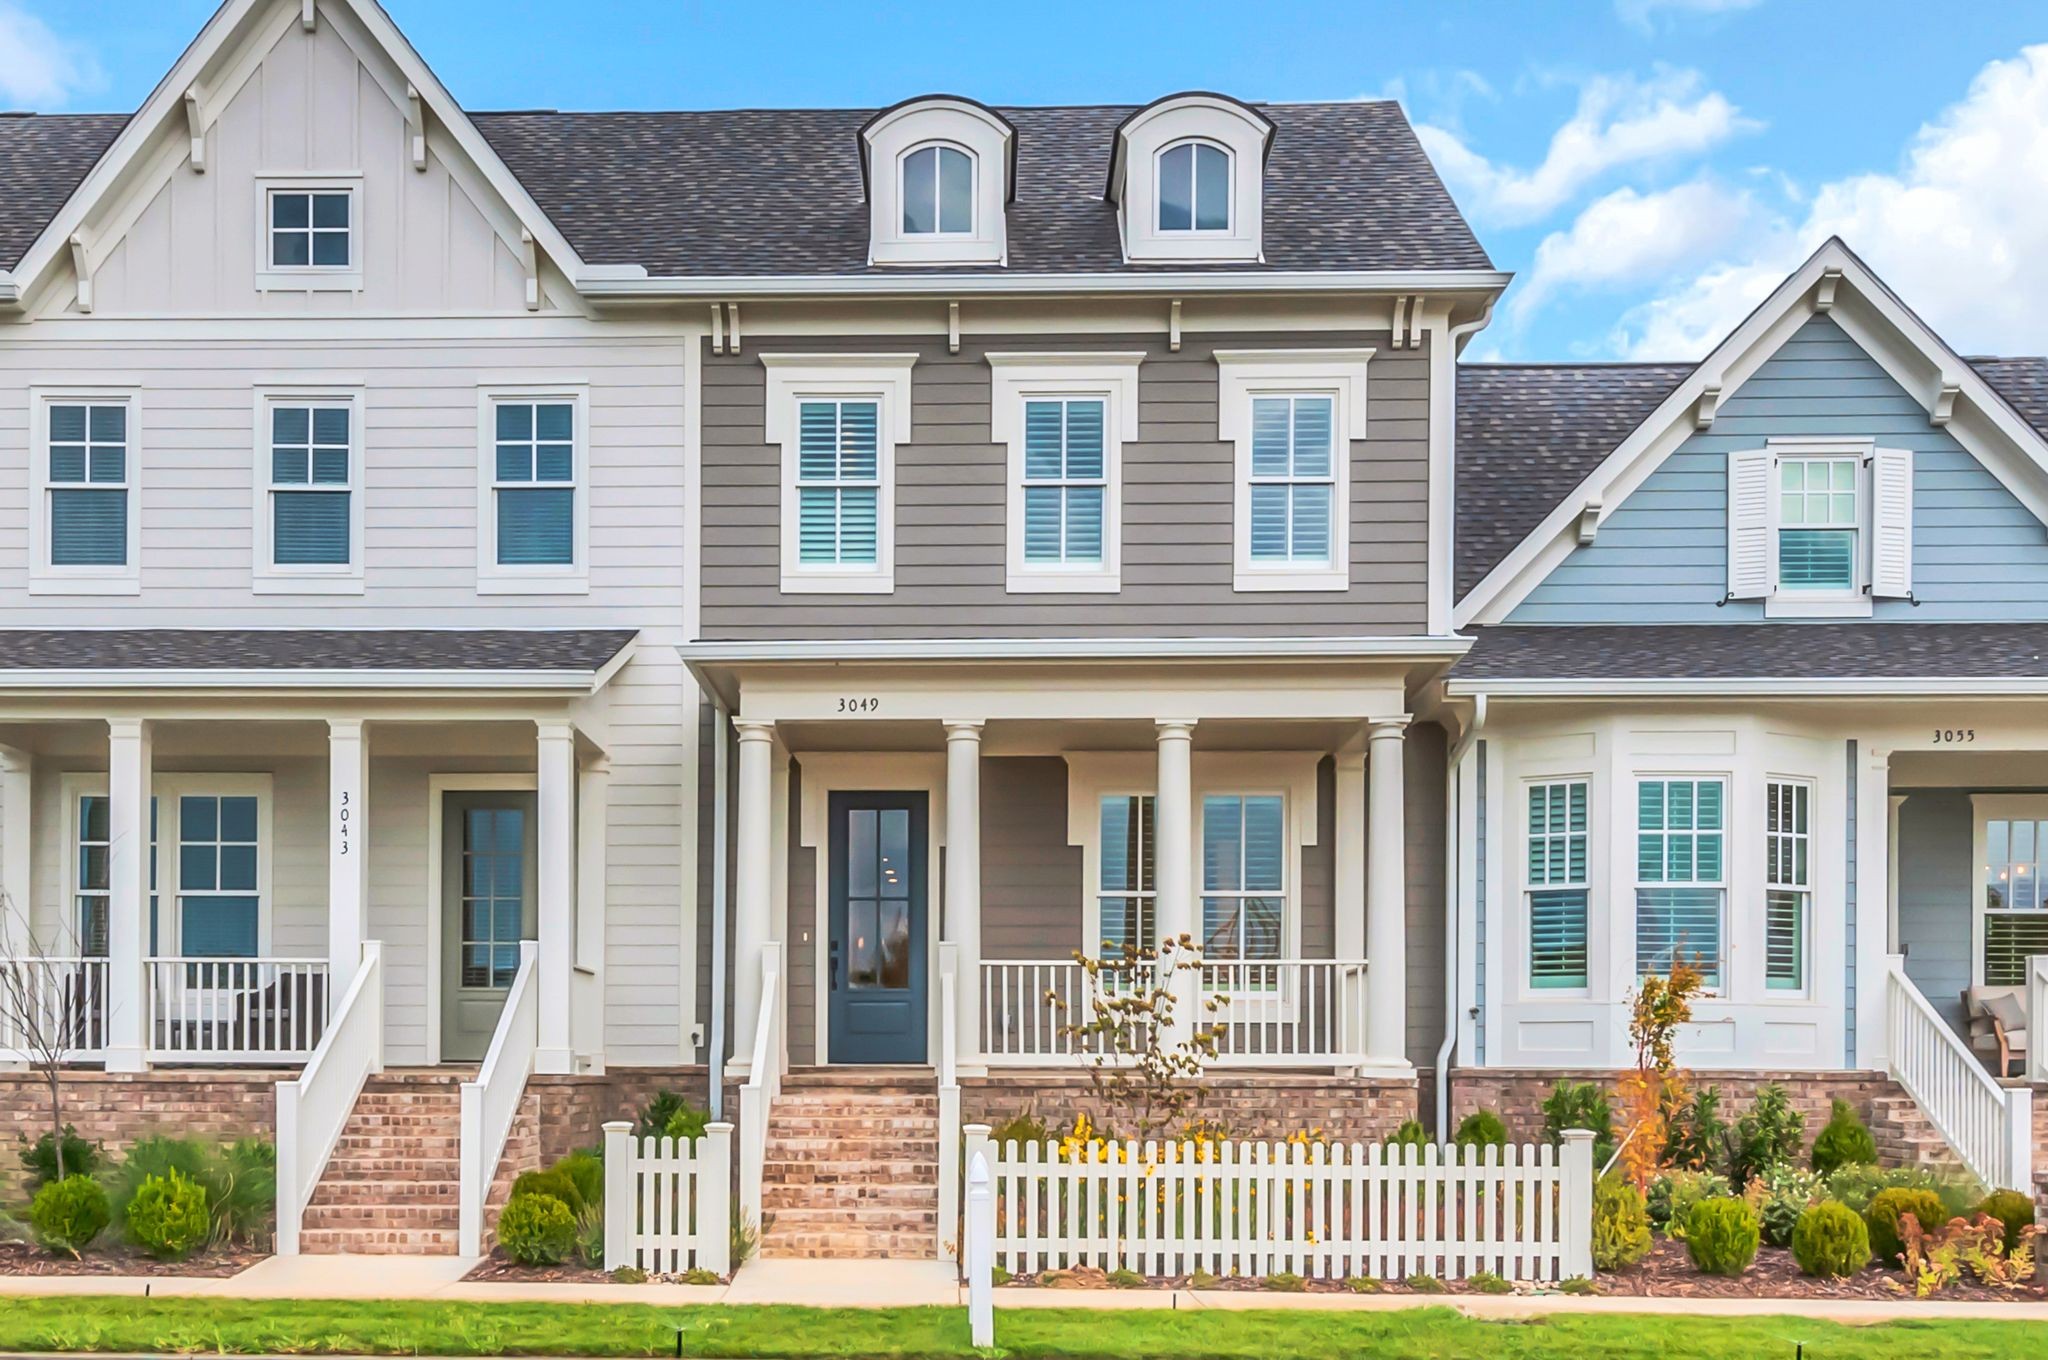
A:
{"points": [[155, 1156], [1830, 1240], [1409, 1134], [1698, 1137], [1888, 1211], [1481, 1128], [1857, 1184], [669, 1115], [1844, 1141], [67, 1215], [2013, 1209], [1580, 1105], [53, 1157], [1769, 1135], [1721, 1235], [241, 1191], [1673, 1194], [537, 1230], [43, 1035], [1486, 1282], [590, 1235], [1139, 1071], [1659, 1007], [1934, 1258], [1779, 1196], [1621, 1224], [167, 1216], [551, 1181], [585, 1171]]}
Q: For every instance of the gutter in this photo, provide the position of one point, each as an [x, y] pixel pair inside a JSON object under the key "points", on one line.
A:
{"points": [[618, 284], [1453, 853], [74, 680], [695, 654], [1782, 687]]}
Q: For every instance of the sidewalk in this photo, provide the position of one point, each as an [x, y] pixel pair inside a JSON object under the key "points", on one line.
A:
{"points": [[917, 1284]]}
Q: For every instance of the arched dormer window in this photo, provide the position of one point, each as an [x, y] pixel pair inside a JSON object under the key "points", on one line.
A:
{"points": [[1194, 187], [938, 191]]}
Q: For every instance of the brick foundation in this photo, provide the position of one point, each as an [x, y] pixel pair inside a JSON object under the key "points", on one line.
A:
{"points": [[1253, 1105], [117, 1108], [572, 1110]]}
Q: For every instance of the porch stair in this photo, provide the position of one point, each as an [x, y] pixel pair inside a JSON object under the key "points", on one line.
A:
{"points": [[1905, 1136], [393, 1185], [852, 1165]]}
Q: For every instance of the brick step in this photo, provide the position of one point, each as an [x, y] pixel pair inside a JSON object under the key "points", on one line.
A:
{"points": [[865, 1216], [393, 1242], [851, 1246], [826, 1172], [916, 1198], [381, 1191]]}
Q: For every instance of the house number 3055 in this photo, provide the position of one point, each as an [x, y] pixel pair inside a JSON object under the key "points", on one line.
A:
{"points": [[863, 703], [1951, 735]]}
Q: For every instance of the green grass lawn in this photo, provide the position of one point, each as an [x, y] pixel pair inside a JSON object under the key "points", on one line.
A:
{"points": [[462, 1329]]}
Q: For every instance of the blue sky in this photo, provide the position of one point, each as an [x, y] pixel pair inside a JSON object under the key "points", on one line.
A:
{"points": [[1647, 167]]}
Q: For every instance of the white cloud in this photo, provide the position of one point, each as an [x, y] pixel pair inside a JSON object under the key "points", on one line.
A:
{"points": [[1960, 231], [1629, 238], [1620, 121], [1642, 14], [38, 69]]}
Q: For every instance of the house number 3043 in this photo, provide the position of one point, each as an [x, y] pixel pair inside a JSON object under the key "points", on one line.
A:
{"points": [[865, 703], [1951, 735], [341, 820]]}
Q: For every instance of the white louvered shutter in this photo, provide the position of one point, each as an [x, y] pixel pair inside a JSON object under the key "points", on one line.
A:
{"points": [[1891, 523], [1749, 524]]}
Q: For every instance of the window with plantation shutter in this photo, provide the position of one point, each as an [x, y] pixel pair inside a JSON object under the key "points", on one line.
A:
{"points": [[1293, 480], [1065, 477], [1788, 890], [1064, 417], [1125, 893], [838, 420], [2013, 904], [1292, 415], [1557, 884], [1680, 888], [839, 480], [1244, 876], [535, 492]]}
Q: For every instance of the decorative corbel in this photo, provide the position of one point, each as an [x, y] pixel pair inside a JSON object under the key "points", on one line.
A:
{"points": [[306, 18], [195, 127], [1416, 330], [416, 127], [732, 327], [1173, 326], [1824, 293], [1945, 403], [1709, 403], [81, 266], [1400, 326], [952, 328], [529, 260], [1589, 520], [717, 329]]}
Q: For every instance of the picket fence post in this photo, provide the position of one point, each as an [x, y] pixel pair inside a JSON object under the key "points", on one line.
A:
{"points": [[714, 1199], [981, 1248], [1575, 1258], [618, 1194]]}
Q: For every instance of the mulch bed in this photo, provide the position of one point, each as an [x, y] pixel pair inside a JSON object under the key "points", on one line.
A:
{"points": [[19, 1258]]}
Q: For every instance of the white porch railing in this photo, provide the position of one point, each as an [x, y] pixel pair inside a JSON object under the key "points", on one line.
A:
{"points": [[668, 1201], [491, 1102], [2037, 1018], [53, 1003], [763, 1084], [219, 1010], [1989, 1126], [1279, 1013], [313, 1107], [949, 1102]]}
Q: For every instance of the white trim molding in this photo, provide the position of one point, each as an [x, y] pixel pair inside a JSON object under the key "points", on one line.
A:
{"points": [[1203, 119], [1244, 374], [887, 143], [272, 277], [44, 578], [1017, 377], [266, 576], [493, 577], [881, 378]]}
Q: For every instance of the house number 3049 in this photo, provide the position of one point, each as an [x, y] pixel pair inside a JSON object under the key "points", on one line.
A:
{"points": [[1951, 735], [865, 703]]}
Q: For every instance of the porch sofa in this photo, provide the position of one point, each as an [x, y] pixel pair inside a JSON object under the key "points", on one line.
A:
{"points": [[1998, 1026]]}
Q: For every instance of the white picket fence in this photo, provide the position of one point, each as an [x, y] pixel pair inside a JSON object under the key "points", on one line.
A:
{"points": [[1323, 1211], [668, 1201]]}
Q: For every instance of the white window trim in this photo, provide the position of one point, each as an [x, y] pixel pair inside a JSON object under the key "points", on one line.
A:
{"points": [[167, 788], [1135, 182], [44, 578], [266, 577], [1339, 374], [1854, 602], [938, 233], [1525, 987], [1632, 810], [1016, 378], [1991, 807], [1228, 229], [310, 278], [881, 378], [1811, 835], [492, 578], [888, 142]]}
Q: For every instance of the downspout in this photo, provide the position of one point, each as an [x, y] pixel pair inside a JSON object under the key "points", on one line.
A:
{"points": [[1453, 909], [721, 722]]}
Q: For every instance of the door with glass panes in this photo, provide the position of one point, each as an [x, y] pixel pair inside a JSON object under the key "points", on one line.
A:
{"points": [[488, 870]]}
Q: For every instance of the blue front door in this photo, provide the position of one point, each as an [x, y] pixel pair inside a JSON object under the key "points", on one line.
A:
{"points": [[878, 928]]}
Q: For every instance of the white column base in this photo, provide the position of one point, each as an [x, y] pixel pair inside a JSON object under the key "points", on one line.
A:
{"points": [[554, 1062], [127, 1060]]}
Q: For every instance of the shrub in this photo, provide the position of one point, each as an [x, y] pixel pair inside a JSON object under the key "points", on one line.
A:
{"points": [[1673, 1194], [1131, 1279], [553, 1181], [1486, 1282], [1425, 1284], [586, 1172], [241, 1191], [1890, 1206], [1779, 1196], [1938, 1257], [1721, 1235], [1410, 1134], [1844, 1142], [1830, 1240], [154, 1157], [1283, 1282], [39, 1159], [1698, 1136], [1361, 1284], [537, 1230], [660, 1117], [744, 1239], [1023, 1128], [1857, 1184], [629, 1275], [67, 1215], [1621, 1224], [1580, 1105], [167, 1216], [590, 1235], [1481, 1128], [1577, 1284], [2012, 1209], [699, 1275], [1771, 1133]]}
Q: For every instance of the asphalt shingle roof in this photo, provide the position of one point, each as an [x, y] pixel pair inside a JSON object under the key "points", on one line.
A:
{"points": [[498, 649], [1757, 651], [42, 159]]}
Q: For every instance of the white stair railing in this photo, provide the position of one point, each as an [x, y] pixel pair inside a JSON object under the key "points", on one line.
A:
{"points": [[949, 1102], [313, 1107], [1989, 1126], [2037, 1018], [764, 1083], [491, 1102]]}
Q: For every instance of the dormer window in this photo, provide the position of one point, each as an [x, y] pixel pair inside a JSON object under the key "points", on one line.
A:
{"points": [[938, 173], [1194, 187], [938, 192]]}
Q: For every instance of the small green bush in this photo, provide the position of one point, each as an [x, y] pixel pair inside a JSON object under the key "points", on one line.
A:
{"points": [[1577, 1284], [1888, 1207], [1580, 1105], [1780, 1195], [1481, 1128], [553, 1181], [241, 1191], [1673, 1193], [1831, 1240], [2011, 1208], [39, 1159], [585, 1171], [537, 1230], [167, 1216], [699, 1275], [1410, 1134], [67, 1215], [1857, 1184], [1486, 1282], [590, 1235], [1024, 1128], [1721, 1235], [1698, 1137], [1425, 1284], [1844, 1142], [1201, 1279], [1769, 1134], [629, 1275], [999, 1276], [1125, 1279], [1361, 1284], [157, 1156], [658, 1113], [744, 1240], [1621, 1224]]}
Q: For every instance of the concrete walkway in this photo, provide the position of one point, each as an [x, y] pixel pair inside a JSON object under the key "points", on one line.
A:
{"points": [[907, 1284]]}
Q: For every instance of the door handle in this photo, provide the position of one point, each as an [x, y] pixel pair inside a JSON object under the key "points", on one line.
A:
{"points": [[833, 963]]}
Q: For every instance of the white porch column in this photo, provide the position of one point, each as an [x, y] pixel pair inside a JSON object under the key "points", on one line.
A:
{"points": [[128, 817], [963, 882], [1386, 898], [555, 768], [1173, 861], [593, 859], [348, 844], [1871, 774], [17, 878], [753, 884], [1349, 851]]}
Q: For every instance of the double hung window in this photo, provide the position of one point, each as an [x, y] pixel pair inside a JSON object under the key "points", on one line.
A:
{"points": [[1681, 892], [1557, 883]]}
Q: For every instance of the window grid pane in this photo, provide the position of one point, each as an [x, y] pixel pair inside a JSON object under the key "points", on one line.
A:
{"points": [[1244, 854], [1125, 892], [838, 483], [1787, 883], [1557, 864], [217, 883], [2015, 908], [1065, 481], [309, 229], [534, 476], [88, 484], [1679, 832], [309, 474], [1293, 480], [1818, 519]]}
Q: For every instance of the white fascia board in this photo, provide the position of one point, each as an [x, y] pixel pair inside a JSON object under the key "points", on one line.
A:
{"points": [[1817, 687], [1078, 649], [606, 283], [72, 680]]}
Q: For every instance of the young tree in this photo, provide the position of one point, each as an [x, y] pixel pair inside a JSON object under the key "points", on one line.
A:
{"points": [[1657, 1083], [1136, 1065], [45, 1005]]}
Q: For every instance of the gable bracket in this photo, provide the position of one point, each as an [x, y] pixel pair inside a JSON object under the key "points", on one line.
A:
{"points": [[82, 266], [306, 16], [1944, 408], [416, 126], [732, 327], [1400, 323], [1173, 326], [1709, 402], [717, 328], [952, 328], [195, 127], [1824, 290], [1416, 330], [529, 262], [1589, 520]]}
